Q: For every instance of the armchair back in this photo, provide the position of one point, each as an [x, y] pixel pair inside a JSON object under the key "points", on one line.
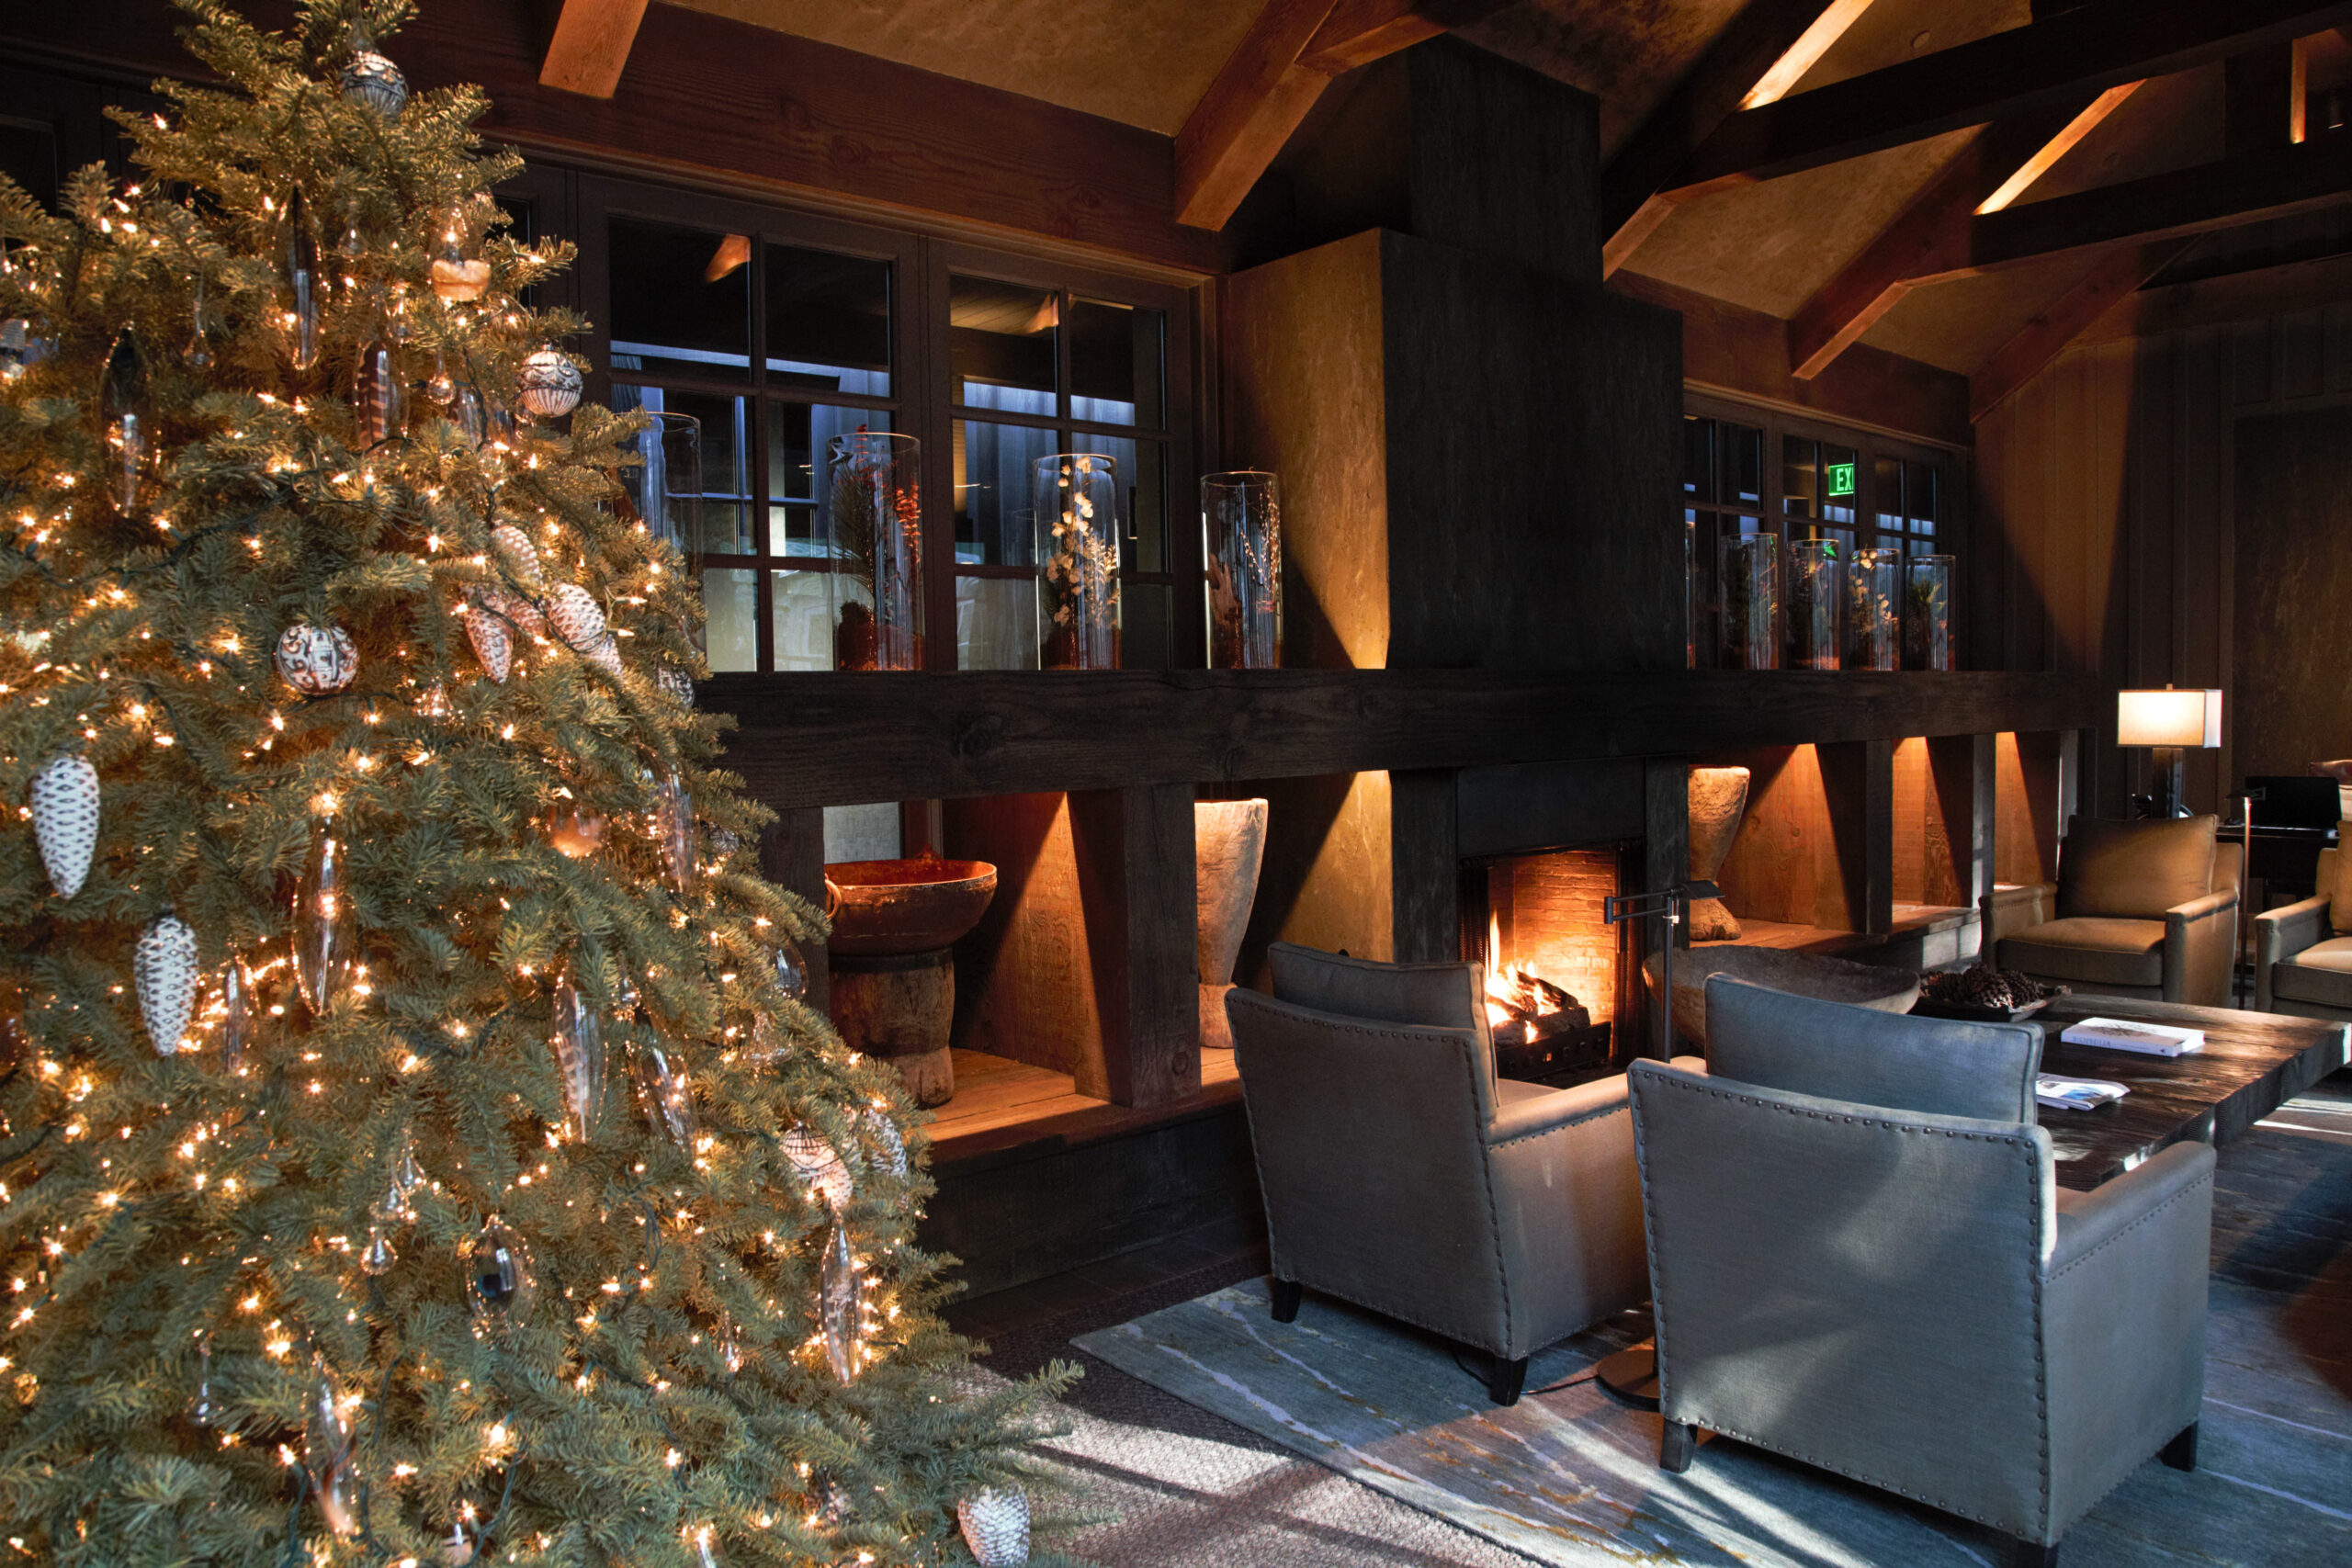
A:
{"points": [[2137, 871], [1831, 1051]]}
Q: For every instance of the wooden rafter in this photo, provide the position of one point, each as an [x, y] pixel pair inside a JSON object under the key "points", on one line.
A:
{"points": [[2104, 44], [1274, 76], [1989, 173], [1734, 66], [591, 41], [2117, 276]]}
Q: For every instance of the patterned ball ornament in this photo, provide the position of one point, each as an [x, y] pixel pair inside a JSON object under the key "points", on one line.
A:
{"points": [[317, 660], [163, 968], [372, 80], [549, 383], [996, 1527], [65, 820], [817, 1165]]}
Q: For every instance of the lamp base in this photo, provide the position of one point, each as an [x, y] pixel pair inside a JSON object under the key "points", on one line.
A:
{"points": [[1631, 1375]]}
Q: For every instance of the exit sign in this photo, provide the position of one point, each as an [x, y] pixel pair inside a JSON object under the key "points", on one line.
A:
{"points": [[1841, 479]]}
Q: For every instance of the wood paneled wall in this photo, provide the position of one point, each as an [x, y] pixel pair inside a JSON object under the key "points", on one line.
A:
{"points": [[2108, 520]]}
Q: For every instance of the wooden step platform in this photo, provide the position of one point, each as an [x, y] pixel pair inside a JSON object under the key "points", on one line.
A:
{"points": [[1001, 1104]]}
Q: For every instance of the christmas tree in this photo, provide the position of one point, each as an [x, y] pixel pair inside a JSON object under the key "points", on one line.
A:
{"points": [[413, 1148]]}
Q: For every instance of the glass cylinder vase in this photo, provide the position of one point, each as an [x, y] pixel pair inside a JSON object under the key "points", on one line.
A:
{"points": [[874, 591], [1873, 581], [1748, 579], [1816, 590], [665, 486], [1927, 613], [1076, 500], [1241, 520]]}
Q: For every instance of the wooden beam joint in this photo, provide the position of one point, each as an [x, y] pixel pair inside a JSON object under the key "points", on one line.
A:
{"points": [[591, 41]]}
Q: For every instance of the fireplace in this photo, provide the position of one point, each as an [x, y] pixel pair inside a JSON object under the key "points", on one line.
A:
{"points": [[1556, 973]]}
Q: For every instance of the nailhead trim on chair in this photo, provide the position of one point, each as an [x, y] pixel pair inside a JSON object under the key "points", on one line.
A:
{"points": [[1622, 1109], [2189, 1191], [1657, 1300]]}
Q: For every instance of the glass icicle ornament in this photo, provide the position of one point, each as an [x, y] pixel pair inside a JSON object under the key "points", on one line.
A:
{"points": [[457, 278], [673, 829], [199, 353], [236, 1012], [467, 414], [378, 1257], [791, 971], [325, 934], [578, 1041], [499, 1280], [203, 1411], [376, 395], [667, 1097], [327, 1454], [129, 427], [15, 347], [304, 284], [837, 1305], [440, 386]]}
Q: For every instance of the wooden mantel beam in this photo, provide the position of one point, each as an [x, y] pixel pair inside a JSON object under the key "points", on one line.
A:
{"points": [[1274, 76], [1990, 171], [1765, 38], [591, 44], [2103, 44]]}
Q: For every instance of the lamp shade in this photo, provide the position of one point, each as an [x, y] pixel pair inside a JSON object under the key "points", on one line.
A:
{"points": [[2169, 718]]}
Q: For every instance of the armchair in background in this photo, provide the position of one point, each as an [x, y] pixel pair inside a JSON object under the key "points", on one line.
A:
{"points": [[1860, 1259], [2302, 953], [1400, 1174], [2144, 909]]}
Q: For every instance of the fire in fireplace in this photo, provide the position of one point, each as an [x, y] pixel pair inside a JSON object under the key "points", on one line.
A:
{"points": [[1552, 961]]}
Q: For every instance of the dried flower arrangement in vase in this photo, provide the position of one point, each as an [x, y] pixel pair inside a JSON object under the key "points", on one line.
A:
{"points": [[1076, 497], [875, 586]]}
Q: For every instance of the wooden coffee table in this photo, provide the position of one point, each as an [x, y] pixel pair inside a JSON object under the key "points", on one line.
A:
{"points": [[2252, 1062]]}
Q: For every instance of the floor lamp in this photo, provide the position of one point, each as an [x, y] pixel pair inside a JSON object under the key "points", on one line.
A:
{"points": [[1632, 1373], [2167, 722]]}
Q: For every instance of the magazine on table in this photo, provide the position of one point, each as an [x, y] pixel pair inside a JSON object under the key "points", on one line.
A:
{"points": [[2134, 1035], [2076, 1094]]}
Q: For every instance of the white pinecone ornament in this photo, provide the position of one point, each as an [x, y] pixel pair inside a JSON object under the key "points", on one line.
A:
{"points": [[526, 615], [65, 820], [521, 555], [996, 1527], [317, 660], [163, 966], [493, 642], [574, 616], [817, 1165], [605, 651], [889, 1147], [549, 383], [677, 683]]}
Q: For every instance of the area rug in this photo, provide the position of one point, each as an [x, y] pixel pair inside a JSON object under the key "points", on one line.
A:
{"points": [[1570, 1476]]}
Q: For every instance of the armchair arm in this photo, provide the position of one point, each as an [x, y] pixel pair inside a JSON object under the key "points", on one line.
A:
{"points": [[2200, 947], [1533, 1117], [2282, 933], [2087, 1220]]}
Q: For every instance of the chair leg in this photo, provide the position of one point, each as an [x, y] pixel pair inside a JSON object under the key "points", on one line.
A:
{"points": [[2033, 1554], [2181, 1452], [1677, 1447], [1505, 1379], [1286, 1294]]}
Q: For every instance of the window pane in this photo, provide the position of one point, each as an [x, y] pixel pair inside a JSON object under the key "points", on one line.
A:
{"points": [[803, 621], [800, 436], [1841, 484], [1116, 355], [1145, 610], [681, 301], [1741, 448], [731, 603], [1886, 495], [1926, 498], [1002, 343], [995, 623], [1800, 476], [28, 156], [1698, 458], [829, 322], [1143, 490], [726, 510], [993, 465]]}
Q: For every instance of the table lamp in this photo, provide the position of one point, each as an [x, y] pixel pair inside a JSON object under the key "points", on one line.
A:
{"points": [[2167, 722]]}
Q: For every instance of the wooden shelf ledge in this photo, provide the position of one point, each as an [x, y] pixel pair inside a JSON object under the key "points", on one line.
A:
{"points": [[1005, 1110]]}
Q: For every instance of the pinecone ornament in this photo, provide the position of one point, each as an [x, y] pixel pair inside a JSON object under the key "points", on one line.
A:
{"points": [[996, 1527], [575, 617], [549, 383], [606, 651], [493, 642], [317, 660], [521, 555], [163, 967], [677, 683], [526, 615], [889, 1147], [65, 820]]}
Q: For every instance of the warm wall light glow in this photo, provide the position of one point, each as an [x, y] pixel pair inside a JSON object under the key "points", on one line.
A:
{"points": [[732, 252], [2169, 718], [1790, 69]]}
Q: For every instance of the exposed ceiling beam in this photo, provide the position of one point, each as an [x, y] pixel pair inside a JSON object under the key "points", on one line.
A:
{"points": [[2104, 44], [591, 44], [1734, 66], [1274, 76], [2263, 91], [1990, 171], [2277, 183], [2117, 276]]}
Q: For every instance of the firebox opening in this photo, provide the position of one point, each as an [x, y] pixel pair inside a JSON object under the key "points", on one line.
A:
{"points": [[1554, 979]]}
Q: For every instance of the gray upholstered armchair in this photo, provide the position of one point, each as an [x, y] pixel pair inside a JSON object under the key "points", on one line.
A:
{"points": [[2302, 954], [1859, 1260], [1401, 1175], [2144, 909]]}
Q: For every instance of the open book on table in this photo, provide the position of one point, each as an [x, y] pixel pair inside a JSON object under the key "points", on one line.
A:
{"points": [[2076, 1094]]}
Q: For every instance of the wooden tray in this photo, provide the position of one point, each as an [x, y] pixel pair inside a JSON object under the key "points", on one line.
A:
{"points": [[1924, 1008]]}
